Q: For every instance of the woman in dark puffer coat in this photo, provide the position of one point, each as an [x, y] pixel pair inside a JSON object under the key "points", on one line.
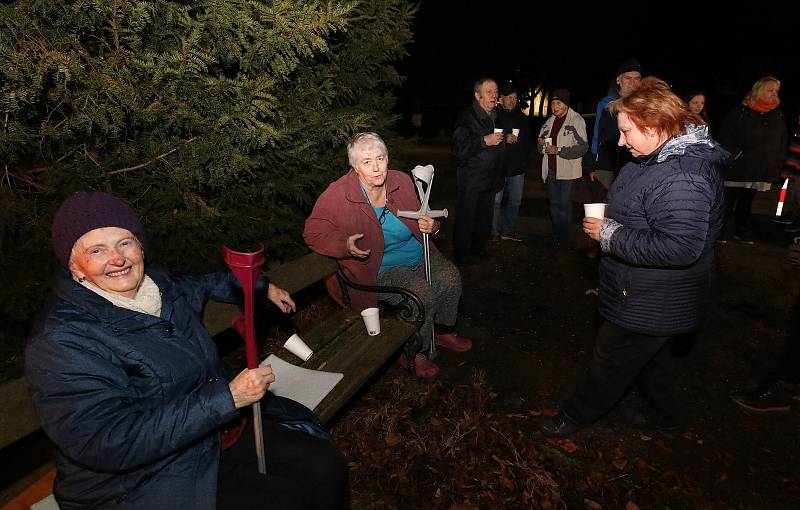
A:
{"points": [[130, 389], [663, 216]]}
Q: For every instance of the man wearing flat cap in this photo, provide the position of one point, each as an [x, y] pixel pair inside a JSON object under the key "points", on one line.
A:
{"points": [[609, 157], [516, 160]]}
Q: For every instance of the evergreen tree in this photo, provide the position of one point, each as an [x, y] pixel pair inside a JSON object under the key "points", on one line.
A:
{"points": [[219, 120]]}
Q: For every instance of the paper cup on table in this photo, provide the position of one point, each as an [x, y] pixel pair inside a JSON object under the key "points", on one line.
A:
{"points": [[298, 347], [372, 320], [498, 130], [597, 210], [515, 132], [548, 141]]}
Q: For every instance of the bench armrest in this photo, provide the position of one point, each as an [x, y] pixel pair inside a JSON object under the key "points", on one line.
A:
{"points": [[411, 308]]}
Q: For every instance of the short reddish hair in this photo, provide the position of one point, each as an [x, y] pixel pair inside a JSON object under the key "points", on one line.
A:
{"points": [[654, 106]]}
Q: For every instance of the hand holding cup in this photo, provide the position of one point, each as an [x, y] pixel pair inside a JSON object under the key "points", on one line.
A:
{"points": [[494, 138]]}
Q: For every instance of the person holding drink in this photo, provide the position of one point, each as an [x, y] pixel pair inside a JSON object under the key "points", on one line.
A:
{"points": [[664, 213]]}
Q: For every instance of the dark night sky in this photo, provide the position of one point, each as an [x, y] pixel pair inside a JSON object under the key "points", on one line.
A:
{"points": [[579, 46]]}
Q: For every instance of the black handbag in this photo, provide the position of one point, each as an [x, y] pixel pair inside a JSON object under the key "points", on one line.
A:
{"points": [[281, 411]]}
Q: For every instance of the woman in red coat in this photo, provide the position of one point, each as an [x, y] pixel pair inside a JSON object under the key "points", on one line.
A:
{"points": [[355, 221]]}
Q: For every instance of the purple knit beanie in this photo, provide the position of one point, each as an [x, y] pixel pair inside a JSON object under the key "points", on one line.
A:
{"points": [[84, 211]]}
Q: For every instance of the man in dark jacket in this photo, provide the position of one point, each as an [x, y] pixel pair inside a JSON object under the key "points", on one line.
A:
{"points": [[478, 145], [610, 156], [519, 146]]}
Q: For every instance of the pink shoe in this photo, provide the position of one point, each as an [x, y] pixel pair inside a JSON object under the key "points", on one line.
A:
{"points": [[424, 367], [453, 342]]}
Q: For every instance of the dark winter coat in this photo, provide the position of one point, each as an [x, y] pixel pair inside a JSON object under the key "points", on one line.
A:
{"points": [[757, 142], [610, 156], [133, 402], [664, 214], [479, 167], [517, 156]]}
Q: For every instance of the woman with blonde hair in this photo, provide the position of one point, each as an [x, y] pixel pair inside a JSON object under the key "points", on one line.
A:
{"points": [[755, 134], [663, 216]]}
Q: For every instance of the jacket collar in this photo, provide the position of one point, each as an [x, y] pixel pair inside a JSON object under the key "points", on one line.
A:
{"points": [[76, 294], [481, 113], [353, 191], [694, 138]]}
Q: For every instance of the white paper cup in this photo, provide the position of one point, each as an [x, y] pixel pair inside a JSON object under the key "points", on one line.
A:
{"points": [[298, 347], [597, 210], [515, 132], [372, 321], [548, 141], [498, 130]]}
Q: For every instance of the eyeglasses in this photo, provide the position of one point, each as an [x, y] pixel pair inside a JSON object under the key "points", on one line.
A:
{"points": [[384, 213]]}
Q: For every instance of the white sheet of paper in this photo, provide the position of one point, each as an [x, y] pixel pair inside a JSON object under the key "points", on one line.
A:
{"points": [[306, 386], [48, 503]]}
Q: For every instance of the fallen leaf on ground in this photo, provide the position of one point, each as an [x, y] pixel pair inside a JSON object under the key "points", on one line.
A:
{"points": [[550, 411], [630, 505], [567, 445], [594, 505], [393, 439]]}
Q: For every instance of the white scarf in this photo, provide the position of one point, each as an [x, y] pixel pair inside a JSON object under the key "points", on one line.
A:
{"points": [[147, 300]]}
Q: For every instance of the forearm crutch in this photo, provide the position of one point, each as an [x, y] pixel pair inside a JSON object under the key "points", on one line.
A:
{"points": [[423, 175], [247, 268]]}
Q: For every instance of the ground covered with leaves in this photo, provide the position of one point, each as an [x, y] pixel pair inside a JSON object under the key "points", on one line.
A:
{"points": [[471, 438]]}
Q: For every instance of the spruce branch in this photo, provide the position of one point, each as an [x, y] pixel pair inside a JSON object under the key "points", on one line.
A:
{"points": [[150, 162]]}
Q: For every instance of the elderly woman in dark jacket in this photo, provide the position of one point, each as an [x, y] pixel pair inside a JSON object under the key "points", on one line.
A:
{"points": [[755, 135], [129, 386], [663, 216]]}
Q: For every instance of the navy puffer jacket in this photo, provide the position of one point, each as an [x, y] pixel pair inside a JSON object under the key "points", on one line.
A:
{"points": [[664, 214], [133, 402]]}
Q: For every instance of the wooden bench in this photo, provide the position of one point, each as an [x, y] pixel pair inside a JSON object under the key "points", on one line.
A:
{"points": [[340, 344]]}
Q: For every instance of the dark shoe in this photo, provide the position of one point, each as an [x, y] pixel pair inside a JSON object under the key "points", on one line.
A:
{"points": [[453, 342], [495, 237], [794, 227], [511, 237], [560, 425], [769, 397], [743, 239], [423, 367], [780, 220]]}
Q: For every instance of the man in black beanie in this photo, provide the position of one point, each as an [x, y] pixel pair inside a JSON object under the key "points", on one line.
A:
{"points": [[608, 156]]}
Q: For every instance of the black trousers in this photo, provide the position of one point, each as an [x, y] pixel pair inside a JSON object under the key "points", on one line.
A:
{"points": [[738, 203], [303, 472], [473, 222], [621, 359]]}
